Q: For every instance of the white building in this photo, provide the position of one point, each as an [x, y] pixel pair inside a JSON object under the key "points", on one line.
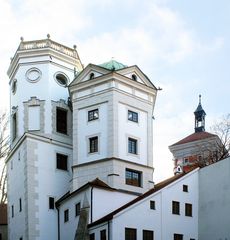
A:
{"points": [[81, 164]]}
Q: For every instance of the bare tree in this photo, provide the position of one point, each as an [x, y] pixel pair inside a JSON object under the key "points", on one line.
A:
{"points": [[4, 149]]}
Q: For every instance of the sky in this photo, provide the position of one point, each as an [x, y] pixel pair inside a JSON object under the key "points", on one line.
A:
{"points": [[183, 46]]}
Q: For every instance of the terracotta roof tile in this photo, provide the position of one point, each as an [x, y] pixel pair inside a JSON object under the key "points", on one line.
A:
{"points": [[195, 137]]}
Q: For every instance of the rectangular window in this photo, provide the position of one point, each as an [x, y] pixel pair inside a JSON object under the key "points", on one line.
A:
{"points": [[20, 204], [93, 144], [12, 211], [188, 209], [20, 238], [51, 203], [132, 145], [92, 236], [61, 120], [62, 161], [77, 209], [175, 207], [178, 236], [103, 234], [0, 236], [93, 115], [66, 215], [14, 126], [148, 235], [152, 205], [133, 177], [185, 188], [130, 234], [132, 116]]}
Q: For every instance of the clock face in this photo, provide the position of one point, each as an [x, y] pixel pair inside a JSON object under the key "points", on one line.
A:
{"points": [[33, 75]]}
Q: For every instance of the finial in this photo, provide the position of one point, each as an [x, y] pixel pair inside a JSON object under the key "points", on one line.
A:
{"points": [[22, 39], [200, 99], [48, 36], [74, 47]]}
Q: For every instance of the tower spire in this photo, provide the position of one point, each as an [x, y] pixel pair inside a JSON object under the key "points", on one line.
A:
{"points": [[199, 117]]}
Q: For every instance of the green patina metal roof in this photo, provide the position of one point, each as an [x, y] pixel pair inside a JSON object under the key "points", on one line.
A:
{"points": [[113, 65]]}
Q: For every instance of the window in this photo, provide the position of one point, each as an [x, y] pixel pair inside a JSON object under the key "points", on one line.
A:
{"points": [[175, 207], [188, 209], [152, 205], [178, 236], [92, 236], [61, 120], [62, 161], [20, 238], [14, 126], [20, 204], [93, 144], [134, 77], [132, 146], [77, 209], [185, 188], [51, 203], [0, 236], [133, 177], [93, 115], [147, 235], [12, 211], [91, 76], [103, 234], [130, 234], [132, 116], [66, 215], [14, 86], [61, 79]]}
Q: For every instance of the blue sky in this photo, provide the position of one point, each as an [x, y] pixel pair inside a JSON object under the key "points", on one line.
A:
{"points": [[182, 46]]}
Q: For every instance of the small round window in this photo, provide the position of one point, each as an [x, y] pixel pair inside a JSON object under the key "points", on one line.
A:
{"points": [[61, 79], [14, 86], [33, 75]]}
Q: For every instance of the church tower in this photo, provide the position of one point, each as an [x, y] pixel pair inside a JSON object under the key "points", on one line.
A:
{"points": [[40, 160], [199, 117]]}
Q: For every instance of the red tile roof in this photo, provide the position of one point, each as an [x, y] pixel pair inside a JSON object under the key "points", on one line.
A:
{"points": [[195, 137], [3, 214]]}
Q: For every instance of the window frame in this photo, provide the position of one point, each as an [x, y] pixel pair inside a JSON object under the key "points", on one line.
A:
{"points": [[146, 236], [188, 210], [59, 164], [185, 188], [130, 234], [103, 234], [20, 204], [93, 144], [77, 209], [14, 126], [51, 203], [91, 116], [132, 146], [61, 121], [66, 215], [152, 205], [132, 180], [177, 236], [92, 236], [176, 207], [134, 116]]}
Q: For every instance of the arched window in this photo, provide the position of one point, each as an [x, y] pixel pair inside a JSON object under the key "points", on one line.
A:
{"points": [[134, 77], [91, 76]]}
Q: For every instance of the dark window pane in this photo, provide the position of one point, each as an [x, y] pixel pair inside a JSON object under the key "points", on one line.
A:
{"points": [[14, 130], [185, 188], [147, 235], [152, 205], [132, 145], [132, 116], [133, 177], [20, 204], [178, 236], [175, 207], [51, 203], [12, 211], [77, 209], [93, 115], [92, 236], [62, 161], [93, 144], [66, 215], [103, 234], [188, 209], [130, 234], [61, 120]]}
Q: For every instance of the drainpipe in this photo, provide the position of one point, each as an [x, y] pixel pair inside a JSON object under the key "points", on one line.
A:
{"points": [[58, 224], [91, 205], [108, 230]]}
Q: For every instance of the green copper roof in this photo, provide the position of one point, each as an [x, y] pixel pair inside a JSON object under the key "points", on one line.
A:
{"points": [[113, 65]]}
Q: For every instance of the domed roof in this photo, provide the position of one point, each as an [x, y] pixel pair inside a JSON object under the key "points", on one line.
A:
{"points": [[113, 65]]}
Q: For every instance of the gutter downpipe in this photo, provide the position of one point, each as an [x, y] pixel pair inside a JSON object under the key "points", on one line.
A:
{"points": [[58, 224], [108, 230], [91, 205]]}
